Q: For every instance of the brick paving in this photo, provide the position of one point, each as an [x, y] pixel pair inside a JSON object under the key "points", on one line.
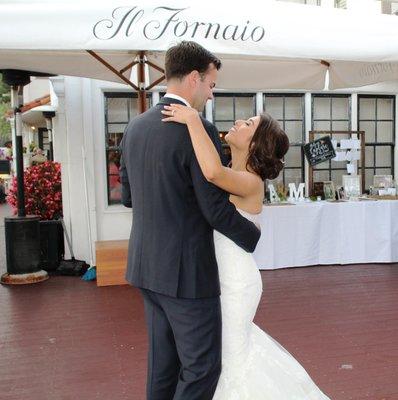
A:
{"points": [[66, 339]]}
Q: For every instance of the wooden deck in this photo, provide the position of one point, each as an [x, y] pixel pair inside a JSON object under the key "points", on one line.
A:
{"points": [[65, 339]]}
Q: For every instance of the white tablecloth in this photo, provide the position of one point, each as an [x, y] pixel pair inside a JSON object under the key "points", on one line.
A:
{"points": [[328, 233]]}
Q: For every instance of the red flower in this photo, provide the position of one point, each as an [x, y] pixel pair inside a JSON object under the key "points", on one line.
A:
{"points": [[42, 185]]}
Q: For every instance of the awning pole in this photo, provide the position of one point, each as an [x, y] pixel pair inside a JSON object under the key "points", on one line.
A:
{"points": [[141, 83], [114, 70], [16, 101]]}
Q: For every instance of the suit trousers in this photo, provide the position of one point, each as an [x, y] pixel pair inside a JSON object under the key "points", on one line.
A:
{"points": [[184, 358]]}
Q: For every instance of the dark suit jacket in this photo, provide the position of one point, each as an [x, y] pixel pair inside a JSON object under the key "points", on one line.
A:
{"points": [[175, 210]]}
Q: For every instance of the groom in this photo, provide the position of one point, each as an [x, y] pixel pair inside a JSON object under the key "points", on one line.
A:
{"points": [[171, 251]]}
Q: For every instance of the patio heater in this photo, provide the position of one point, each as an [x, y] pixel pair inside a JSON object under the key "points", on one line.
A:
{"points": [[22, 232]]}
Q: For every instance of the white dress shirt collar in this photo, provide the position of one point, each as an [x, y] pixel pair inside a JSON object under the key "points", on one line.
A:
{"points": [[176, 97]]}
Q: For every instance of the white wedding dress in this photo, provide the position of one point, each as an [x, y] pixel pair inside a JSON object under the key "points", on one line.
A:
{"points": [[254, 365]]}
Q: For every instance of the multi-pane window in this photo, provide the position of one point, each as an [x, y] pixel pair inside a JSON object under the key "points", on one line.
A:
{"points": [[389, 7], [288, 109], [44, 142], [331, 113], [376, 116], [119, 109], [229, 107]]}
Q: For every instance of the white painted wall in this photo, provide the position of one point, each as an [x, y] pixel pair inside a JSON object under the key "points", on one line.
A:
{"points": [[113, 222], [37, 88], [72, 132], [80, 122]]}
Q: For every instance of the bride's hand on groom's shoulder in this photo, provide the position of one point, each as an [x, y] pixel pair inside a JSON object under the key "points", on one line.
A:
{"points": [[179, 113]]}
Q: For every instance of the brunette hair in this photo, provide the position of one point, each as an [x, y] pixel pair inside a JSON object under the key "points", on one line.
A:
{"points": [[267, 147], [186, 57]]}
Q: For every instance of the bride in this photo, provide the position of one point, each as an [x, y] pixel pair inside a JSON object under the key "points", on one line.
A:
{"points": [[254, 365]]}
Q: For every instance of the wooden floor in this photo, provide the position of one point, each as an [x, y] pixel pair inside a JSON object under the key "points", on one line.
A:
{"points": [[65, 339]]}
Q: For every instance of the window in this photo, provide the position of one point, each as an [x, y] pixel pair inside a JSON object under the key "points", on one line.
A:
{"points": [[331, 113], [376, 116], [389, 7], [229, 107], [288, 109], [44, 142], [119, 109]]}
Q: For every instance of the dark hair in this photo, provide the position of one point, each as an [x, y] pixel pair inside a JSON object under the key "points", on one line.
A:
{"points": [[267, 147], [186, 57]]}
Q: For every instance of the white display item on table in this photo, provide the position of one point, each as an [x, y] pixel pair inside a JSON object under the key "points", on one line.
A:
{"points": [[351, 156], [349, 150], [387, 192], [273, 195], [382, 181], [351, 168], [340, 156], [296, 194], [328, 190], [350, 144], [352, 186]]}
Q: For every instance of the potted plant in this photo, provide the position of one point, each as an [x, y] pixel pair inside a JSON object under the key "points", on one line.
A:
{"points": [[43, 197]]}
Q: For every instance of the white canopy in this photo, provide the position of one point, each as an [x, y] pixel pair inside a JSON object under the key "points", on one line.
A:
{"points": [[267, 45]]}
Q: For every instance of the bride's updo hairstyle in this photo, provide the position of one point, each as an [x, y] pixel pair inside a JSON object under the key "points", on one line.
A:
{"points": [[268, 146]]}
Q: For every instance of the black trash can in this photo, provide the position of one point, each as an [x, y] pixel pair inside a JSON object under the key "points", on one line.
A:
{"points": [[22, 244]]}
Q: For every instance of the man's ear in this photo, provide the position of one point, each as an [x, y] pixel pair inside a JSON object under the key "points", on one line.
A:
{"points": [[194, 77]]}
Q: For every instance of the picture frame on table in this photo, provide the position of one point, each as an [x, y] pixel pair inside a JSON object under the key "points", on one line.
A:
{"points": [[341, 194], [352, 186], [317, 189], [382, 181], [328, 190]]}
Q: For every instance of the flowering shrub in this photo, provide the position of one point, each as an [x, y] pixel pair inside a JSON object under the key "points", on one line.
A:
{"points": [[43, 195]]}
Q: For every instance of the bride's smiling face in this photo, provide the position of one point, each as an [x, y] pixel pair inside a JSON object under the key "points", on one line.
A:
{"points": [[242, 132]]}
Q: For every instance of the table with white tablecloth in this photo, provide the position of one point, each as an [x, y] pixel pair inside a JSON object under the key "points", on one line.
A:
{"points": [[324, 232]]}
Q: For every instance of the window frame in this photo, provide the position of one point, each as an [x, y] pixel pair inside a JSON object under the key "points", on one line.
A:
{"points": [[125, 95], [284, 120], [331, 96], [234, 95], [376, 144]]}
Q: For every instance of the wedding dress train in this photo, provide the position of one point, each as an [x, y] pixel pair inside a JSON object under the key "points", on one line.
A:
{"points": [[254, 365]]}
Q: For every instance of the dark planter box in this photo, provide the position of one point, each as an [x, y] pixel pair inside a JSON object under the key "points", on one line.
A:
{"points": [[52, 247]]}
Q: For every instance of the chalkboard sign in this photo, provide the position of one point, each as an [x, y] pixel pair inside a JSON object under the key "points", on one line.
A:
{"points": [[4, 167], [319, 150]]}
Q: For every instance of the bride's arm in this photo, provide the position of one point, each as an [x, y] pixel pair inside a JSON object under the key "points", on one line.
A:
{"points": [[240, 183]]}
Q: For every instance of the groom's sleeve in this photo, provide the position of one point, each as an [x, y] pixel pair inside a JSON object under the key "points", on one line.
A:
{"points": [[219, 212]]}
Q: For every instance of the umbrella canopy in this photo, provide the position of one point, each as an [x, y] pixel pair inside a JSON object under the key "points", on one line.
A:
{"points": [[271, 45]]}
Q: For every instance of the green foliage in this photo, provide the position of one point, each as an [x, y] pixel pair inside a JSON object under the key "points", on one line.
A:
{"points": [[5, 128]]}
